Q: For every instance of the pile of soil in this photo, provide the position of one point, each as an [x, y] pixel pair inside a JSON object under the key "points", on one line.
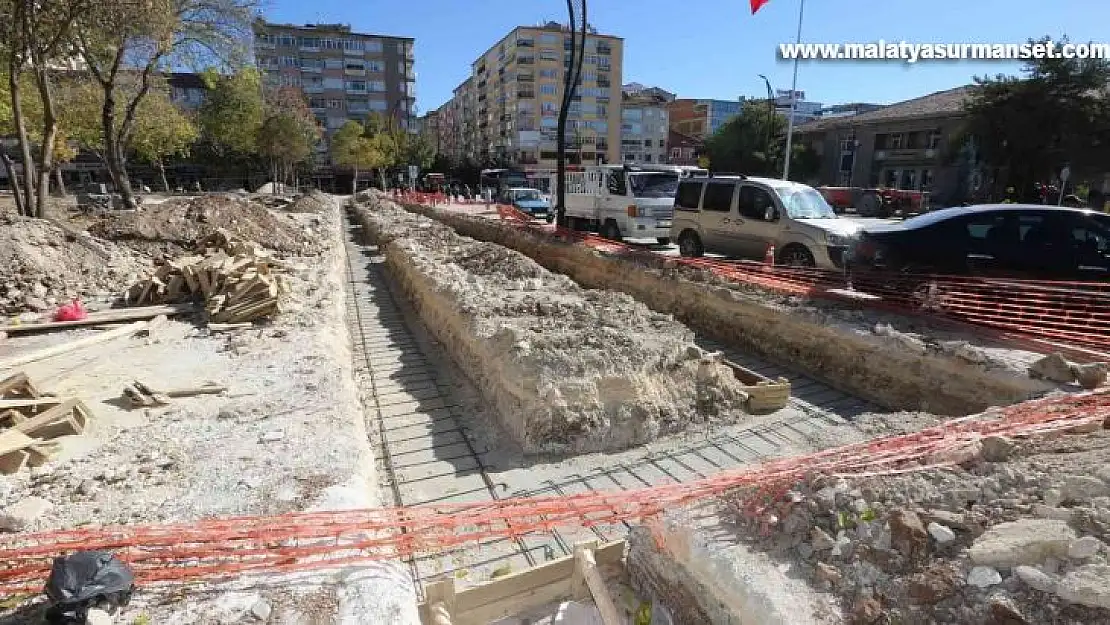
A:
{"points": [[43, 266], [1015, 534], [173, 227]]}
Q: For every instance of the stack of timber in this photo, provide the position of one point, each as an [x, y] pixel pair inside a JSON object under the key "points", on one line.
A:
{"points": [[237, 280], [29, 421]]}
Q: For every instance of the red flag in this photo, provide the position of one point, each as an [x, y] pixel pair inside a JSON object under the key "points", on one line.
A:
{"points": [[758, 4]]}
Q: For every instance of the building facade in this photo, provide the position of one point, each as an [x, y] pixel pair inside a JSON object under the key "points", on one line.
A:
{"points": [[907, 145], [701, 118], [644, 127], [344, 75], [804, 110], [845, 110], [508, 109]]}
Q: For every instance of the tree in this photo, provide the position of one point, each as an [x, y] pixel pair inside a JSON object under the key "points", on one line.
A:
{"points": [[120, 39], [162, 131], [741, 145], [350, 147], [33, 37], [1027, 128], [233, 112], [288, 133]]}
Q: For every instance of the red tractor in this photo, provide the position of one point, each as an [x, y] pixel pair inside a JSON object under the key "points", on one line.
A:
{"points": [[881, 202]]}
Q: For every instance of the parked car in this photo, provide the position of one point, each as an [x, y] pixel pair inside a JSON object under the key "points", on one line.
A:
{"points": [[740, 216], [530, 201], [996, 240]]}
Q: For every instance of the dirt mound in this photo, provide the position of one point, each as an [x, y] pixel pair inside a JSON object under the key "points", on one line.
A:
{"points": [[43, 265], [312, 202], [1017, 532], [175, 226]]}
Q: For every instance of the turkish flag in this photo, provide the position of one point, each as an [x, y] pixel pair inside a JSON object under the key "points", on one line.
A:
{"points": [[758, 4]]}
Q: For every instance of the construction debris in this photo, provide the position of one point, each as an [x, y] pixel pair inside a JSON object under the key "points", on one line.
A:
{"points": [[141, 395], [76, 344], [1055, 368], [105, 317], [236, 279], [28, 421]]}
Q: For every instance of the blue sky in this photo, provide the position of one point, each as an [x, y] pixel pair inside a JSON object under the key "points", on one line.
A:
{"points": [[716, 48]]}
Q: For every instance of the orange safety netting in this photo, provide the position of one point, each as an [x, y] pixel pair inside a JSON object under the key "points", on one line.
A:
{"points": [[216, 549], [1068, 316]]}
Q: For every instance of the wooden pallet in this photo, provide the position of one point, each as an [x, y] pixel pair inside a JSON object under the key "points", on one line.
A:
{"points": [[579, 576], [29, 421], [764, 394]]}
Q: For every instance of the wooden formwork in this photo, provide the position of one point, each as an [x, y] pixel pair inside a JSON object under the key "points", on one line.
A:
{"points": [[764, 394], [579, 576]]}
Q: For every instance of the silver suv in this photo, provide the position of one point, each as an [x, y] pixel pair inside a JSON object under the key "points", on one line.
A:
{"points": [[740, 216]]}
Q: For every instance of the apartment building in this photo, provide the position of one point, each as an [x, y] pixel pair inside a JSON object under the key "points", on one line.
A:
{"points": [[701, 118], [345, 75], [508, 108], [644, 127]]}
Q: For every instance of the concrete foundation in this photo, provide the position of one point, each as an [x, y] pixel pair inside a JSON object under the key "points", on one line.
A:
{"points": [[893, 376], [697, 572], [568, 370]]}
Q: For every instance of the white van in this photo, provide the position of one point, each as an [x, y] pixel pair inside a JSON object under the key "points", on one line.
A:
{"points": [[740, 216], [623, 201]]}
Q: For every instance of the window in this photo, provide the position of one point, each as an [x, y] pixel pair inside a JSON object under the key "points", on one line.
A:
{"points": [[333, 83], [376, 86], [548, 73], [647, 158], [894, 142], [377, 67], [378, 105], [549, 122], [266, 40], [926, 179], [310, 42], [316, 103], [549, 38], [846, 161], [718, 197], [688, 196], [662, 144], [549, 55], [374, 46], [335, 104], [333, 63], [287, 61], [615, 183], [755, 203], [547, 89], [355, 66], [355, 85], [932, 140], [647, 143], [287, 40]]}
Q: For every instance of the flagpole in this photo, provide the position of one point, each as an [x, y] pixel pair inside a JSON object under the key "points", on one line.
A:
{"points": [[793, 98]]}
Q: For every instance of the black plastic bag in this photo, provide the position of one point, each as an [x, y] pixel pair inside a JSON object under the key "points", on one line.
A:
{"points": [[84, 580]]}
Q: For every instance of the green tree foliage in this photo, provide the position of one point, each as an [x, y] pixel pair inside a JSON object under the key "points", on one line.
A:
{"points": [[232, 115], [288, 133], [754, 142], [1028, 127], [162, 132]]}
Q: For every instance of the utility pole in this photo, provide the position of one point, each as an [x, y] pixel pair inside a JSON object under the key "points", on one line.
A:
{"points": [[770, 120], [793, 98], [570, 85]]}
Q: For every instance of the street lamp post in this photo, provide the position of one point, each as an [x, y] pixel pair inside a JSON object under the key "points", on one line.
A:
{"points": [[793, 98], [770, 120]]}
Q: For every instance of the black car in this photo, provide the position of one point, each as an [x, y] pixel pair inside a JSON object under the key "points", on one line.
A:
{"points": [[997, 240]]}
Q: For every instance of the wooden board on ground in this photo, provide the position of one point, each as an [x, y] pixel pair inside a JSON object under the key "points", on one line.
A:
{"points": [[69, 417], [525, 590], [64, 348], [116, 315]]}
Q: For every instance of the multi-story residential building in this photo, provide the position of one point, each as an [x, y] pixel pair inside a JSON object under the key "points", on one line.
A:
{"points": [[187, 90], [701, 118], [345, 75], [804, 110], [508, 109], [903, 145], [644, 128], [637, 89]]}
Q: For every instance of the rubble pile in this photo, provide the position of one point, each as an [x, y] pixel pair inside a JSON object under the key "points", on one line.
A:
{"points": [[237, 280], [1015, 534], [43, 266], [173, 227], [570, 370]]}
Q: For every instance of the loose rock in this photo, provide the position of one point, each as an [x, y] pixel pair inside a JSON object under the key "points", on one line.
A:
{"points": [[941, 534], [22, 515], [1035, 578], [908, 535], [998, 448], [1084, 548], [983, 577], [1088, 585], [1028, 541]]}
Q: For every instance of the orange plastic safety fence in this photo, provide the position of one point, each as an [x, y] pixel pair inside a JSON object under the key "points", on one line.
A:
{"points": [[222, 548]]}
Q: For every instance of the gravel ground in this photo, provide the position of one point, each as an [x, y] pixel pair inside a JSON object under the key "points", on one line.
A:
{"points": [[289, 435]]}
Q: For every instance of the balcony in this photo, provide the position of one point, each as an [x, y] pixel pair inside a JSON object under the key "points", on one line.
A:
{"points": [[525, 43], [356, 91], [262, 45], [354, 72], [905, 154], [353, 52], [526, 95], [525, 78], [311, 70], [313, 89], [604, 49]]}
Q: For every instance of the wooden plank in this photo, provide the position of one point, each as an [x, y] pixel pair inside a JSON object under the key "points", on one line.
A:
{"points": [[29, 403], [99, 318], [440, 602], [13, 462], [14, 440], [586, 566], [557, 572], [65, 348], [17, 386], [66, 419]]}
